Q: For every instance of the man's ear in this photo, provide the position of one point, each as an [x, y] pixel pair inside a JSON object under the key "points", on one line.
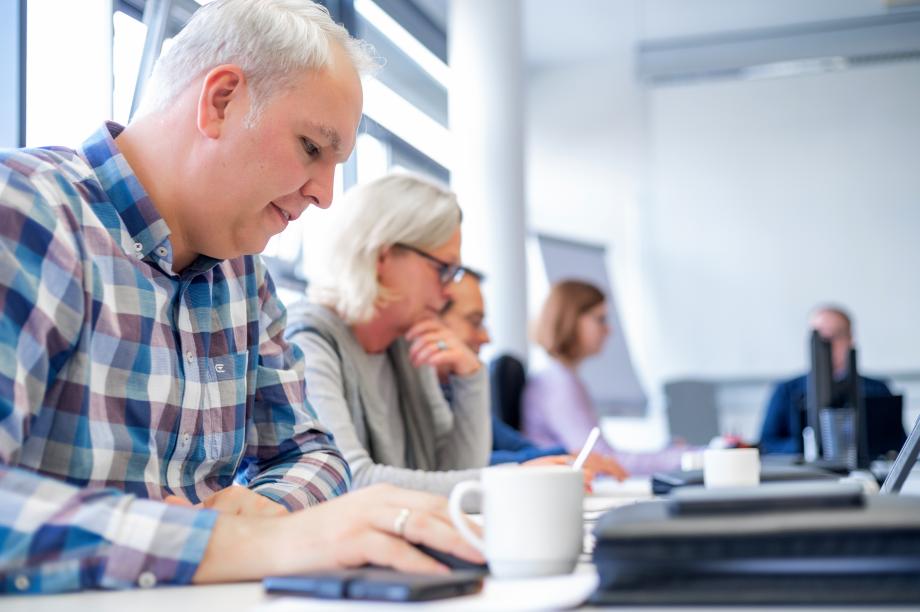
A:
{"points": [[223, 89]]}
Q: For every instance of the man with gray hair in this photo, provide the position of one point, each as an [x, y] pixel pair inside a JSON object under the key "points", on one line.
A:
{"points": [[143, 366]]}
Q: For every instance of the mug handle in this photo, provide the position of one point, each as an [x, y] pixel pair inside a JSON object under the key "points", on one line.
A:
{"points": [[458, 517]]}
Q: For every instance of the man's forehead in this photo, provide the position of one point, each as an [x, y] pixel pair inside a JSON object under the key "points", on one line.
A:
{"points": [[468, 293]]}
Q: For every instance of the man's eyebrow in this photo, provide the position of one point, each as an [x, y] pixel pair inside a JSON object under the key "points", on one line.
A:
{"points": [[330, 134]]}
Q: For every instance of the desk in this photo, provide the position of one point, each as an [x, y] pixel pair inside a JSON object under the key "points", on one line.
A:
{"points": [[534, 594], [249, 597]]}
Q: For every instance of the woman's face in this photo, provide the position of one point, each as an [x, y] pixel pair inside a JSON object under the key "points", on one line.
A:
{"points": [[413, 278], [592, 330]]}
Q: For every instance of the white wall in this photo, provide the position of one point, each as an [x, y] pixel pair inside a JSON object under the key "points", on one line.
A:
{"points": [[769, 196], [721, 202]]}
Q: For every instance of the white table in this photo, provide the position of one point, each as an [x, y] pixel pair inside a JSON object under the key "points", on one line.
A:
{"points": [[534, 594]]}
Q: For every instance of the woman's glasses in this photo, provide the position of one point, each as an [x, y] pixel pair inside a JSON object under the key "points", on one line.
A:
{"points": [[447, 272]]}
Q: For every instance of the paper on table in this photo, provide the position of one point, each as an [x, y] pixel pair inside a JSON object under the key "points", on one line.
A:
{"points": [[631, 487], [609, 494], [547, 593]]}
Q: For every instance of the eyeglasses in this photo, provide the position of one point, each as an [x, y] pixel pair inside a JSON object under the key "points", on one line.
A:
{"points": [[447, 272]]}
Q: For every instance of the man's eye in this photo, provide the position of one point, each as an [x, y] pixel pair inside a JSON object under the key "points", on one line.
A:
{"points": [[311, 149]]}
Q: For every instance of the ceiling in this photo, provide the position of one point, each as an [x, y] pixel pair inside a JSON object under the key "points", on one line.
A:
{"points": [[582, 30]]}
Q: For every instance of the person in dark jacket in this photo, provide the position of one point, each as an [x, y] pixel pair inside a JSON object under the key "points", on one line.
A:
{"points": [[785, 416]]}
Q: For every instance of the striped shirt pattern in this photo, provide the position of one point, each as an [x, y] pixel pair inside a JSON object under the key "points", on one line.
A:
{"points": [[122, 382]]}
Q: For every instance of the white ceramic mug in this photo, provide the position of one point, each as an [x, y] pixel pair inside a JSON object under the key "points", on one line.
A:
{"points": [[731, 467], [532, 519]]}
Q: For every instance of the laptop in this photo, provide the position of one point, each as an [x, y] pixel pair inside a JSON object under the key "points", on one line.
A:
{"points": [[826, 544], [904, 462]]}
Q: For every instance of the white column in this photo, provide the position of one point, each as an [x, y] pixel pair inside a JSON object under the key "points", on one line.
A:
{"points": [[487, 171]]}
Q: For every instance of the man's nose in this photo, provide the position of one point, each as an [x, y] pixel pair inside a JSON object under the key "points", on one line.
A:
{"points": [[320, 185]]}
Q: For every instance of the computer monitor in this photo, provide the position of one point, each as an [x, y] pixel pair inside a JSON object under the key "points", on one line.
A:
{"points": [[885, 425], [904, 463], [824, 392]]}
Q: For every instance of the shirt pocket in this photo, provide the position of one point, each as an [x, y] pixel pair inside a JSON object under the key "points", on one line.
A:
{"points": [[225, 415]]}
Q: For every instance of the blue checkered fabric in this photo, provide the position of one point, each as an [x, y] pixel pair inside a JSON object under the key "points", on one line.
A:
{"points": [[122, 381]]}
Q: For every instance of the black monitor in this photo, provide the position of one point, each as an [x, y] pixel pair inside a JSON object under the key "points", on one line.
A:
{"points": [[824, 392]]}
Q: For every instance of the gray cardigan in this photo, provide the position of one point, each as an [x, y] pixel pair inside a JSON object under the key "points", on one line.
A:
{"points": [[444, 444]]}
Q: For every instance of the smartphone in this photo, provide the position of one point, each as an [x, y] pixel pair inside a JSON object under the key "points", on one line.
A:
{"points": [[376, 584], [766, 497]]}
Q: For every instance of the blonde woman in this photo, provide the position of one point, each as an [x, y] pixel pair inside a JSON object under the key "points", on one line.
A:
{"points": [[372, 340]]}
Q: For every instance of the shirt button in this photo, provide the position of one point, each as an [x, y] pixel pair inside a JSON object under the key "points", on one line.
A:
{"points": [[189, 357], [22, 583], [161, 251], [186, 438], [147, 580], [138, 247]]}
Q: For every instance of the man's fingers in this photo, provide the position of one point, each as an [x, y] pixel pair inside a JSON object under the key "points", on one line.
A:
{"points": [[390, 551], [436, 532], [175, 500], [428, 522]]}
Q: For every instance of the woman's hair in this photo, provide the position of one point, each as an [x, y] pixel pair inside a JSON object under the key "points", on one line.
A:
{"points": [[556, 329], [397, 208], [273, 41]]}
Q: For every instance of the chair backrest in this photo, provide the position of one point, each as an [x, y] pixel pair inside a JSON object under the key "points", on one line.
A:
{"points": [[692, 410], [507, 378]]}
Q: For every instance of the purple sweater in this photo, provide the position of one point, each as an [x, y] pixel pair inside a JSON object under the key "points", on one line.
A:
{"points": [[557, 410]]}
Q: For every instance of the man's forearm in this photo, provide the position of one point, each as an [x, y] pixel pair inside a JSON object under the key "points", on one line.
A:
{"points": [[101, 538]]}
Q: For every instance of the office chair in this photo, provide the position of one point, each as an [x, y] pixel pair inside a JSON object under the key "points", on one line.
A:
{"points": [[692, 410], [507, 379]]}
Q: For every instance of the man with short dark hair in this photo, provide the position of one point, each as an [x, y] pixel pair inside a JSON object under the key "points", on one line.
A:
{"points": [[464, 314]]}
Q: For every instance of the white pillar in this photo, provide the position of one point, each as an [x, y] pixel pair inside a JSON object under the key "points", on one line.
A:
{"points": [[487, 171]]}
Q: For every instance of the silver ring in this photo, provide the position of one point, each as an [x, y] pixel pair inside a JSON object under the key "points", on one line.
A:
{"points": [[442, 346], [399, 525]]}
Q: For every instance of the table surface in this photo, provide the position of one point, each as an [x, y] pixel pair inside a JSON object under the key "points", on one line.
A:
{"points": [[556, 592]]}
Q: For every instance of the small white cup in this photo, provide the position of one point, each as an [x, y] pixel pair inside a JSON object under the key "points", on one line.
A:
{"points": [[691, 460], [532, 519], [731, 467]]}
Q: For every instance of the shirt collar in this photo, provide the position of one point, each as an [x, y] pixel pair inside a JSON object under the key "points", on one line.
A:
{"points": [[149, 234]]}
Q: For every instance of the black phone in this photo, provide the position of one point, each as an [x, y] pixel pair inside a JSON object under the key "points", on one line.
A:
{"points": [[376, 584], [766, 497]]}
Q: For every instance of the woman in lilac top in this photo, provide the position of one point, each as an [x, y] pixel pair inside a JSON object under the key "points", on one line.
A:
{"points": [[557, 409]]}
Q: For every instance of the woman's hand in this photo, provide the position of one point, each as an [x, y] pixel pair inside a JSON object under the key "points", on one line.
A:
{"points": [[433, 343], [602, 464], [566, 460]]}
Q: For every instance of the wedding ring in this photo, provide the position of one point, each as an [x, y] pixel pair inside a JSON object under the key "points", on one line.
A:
{"points": [[442, 346], [399, 525]]}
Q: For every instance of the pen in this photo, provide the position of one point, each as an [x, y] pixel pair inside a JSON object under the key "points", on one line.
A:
{"points": [[587, 448]]}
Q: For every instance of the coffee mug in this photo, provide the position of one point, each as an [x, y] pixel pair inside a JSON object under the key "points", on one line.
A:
{"points": [[532, 519], [731, 467]]}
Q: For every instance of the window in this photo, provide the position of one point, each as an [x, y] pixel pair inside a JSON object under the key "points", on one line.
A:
{"points": [[68, 70], [404, 125], [110, 50]]}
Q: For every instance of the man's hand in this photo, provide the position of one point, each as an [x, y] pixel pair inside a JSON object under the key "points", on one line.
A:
{"points": [[433, 343], [350, 531], [566, 460], [235, 500]]}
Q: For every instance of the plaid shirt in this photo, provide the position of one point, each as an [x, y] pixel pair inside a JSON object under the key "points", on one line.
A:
{"points": [[122, 380]]}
